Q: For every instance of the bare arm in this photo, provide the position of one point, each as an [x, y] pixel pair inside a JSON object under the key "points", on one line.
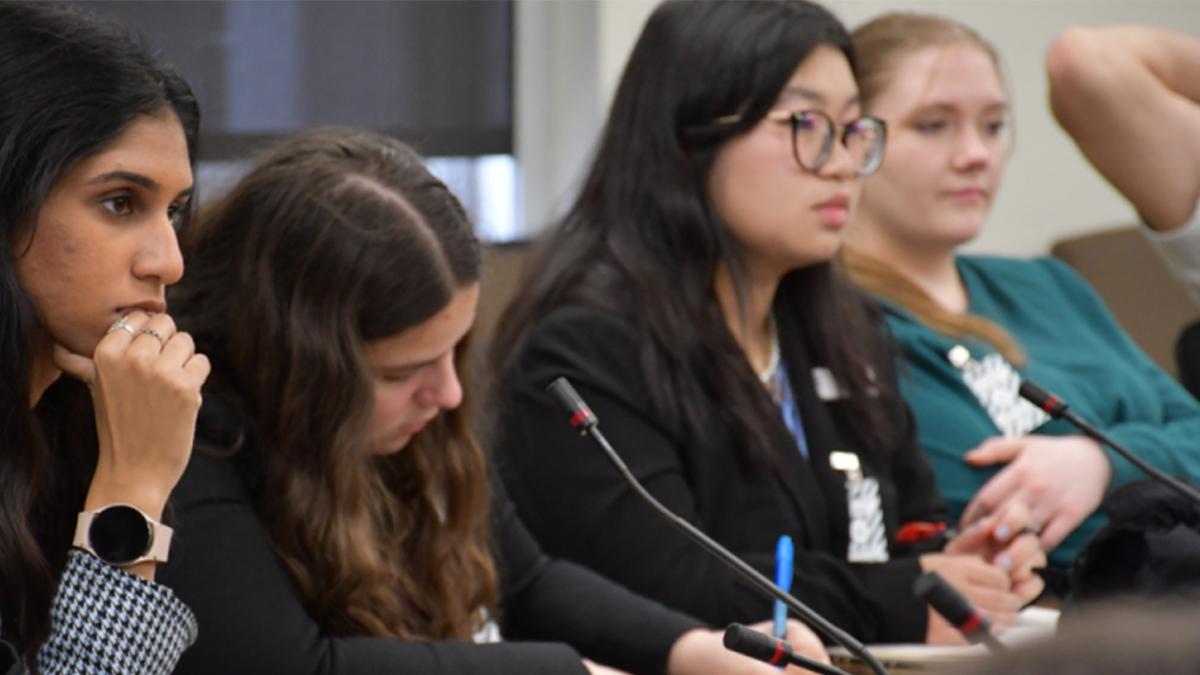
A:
{"points": [[1129, 97]]}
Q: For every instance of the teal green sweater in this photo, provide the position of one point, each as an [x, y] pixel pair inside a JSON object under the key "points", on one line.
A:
{"points": [[1075, 349]]}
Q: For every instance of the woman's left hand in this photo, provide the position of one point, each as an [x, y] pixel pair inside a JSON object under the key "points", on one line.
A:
{"points": [[1062, 480], [1006, 540], [701, 652]]}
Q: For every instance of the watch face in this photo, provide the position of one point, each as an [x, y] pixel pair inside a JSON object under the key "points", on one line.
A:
{"points": [[119, 534]]}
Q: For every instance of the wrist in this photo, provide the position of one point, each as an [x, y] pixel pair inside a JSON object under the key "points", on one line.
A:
{"points": [[105, 490], [687, 653]]}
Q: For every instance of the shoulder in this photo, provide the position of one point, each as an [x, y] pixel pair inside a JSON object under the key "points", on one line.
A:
{"points": [[580, 334], [583, 321], [1037, 284], [1040, 270], [209, 477]]}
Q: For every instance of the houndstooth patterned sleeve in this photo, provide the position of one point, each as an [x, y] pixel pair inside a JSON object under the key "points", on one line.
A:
{"points": [[104, 620]]}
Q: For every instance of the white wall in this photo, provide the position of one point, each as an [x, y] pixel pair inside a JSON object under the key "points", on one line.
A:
{"points": [[1049, 190]]}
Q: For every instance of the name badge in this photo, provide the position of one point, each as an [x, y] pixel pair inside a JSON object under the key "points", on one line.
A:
{"points": [[868, 536], [826, 385], [995, 383]]}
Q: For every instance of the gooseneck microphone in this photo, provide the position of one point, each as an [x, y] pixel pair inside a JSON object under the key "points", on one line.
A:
{"points": [[956, 609], [772, 650], [1057, 408], [583, 419]]}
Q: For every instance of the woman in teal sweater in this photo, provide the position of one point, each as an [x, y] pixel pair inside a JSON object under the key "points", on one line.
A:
{"points": [[972, 327]]}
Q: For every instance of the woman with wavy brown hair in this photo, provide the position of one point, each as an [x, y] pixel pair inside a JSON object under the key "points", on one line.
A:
{"points": [[339, 494]]}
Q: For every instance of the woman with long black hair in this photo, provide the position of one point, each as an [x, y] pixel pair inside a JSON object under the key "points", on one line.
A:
{"points": [[96, 141], [689, 295]]}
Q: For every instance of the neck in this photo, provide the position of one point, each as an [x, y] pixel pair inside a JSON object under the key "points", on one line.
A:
{"points": [[42, 371], [931, 268], [749, 317]]}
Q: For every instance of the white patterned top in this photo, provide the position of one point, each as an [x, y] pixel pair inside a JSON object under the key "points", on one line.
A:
{"points": [[105, 620]]}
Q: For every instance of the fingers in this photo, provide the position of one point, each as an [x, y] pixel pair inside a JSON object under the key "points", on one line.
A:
{"points": [[1000, 489], [1010, 521], [153, 335], [1056, 530], [1002, 609], [197, 370], [972, 539], [1021, 556], [1030, 589], [965, 570], [997, 450], [79, 367], [806, 642], [981, 574]]}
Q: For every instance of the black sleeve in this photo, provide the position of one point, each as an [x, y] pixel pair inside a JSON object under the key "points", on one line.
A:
{"points": [[579, 508], [920, 499], [252, 620], [557, 600]]}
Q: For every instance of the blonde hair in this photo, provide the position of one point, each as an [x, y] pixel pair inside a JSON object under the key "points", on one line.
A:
{"points": [[880, 44], [883, 280]]}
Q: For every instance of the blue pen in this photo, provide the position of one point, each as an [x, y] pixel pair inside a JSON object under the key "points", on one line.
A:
{"points": [[783, 579]]}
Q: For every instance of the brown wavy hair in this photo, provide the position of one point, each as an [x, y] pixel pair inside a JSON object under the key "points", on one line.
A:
{"points": [[334, 239], [880, 44]]}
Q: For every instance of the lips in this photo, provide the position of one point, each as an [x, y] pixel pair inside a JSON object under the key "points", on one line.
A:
{"points": [[968, 194], [838, 201], [835, 210], [412, 429], [149, 306]]}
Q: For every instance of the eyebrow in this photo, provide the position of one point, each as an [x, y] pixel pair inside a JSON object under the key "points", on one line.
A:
{"points": [[940, 106], [137, 179], [796, 91], [403, 367]]}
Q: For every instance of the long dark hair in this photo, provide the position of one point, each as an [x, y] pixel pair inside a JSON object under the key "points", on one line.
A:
{"points": [[334, 239], [642, 238], [72, 84]]}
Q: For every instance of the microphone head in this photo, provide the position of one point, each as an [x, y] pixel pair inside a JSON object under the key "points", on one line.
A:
{"points": [[1053, 405], [754, 644], [582, 417], [945, 600]]}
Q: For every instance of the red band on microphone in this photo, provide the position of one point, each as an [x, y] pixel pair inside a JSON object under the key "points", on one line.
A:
{"points": [[1051, 405], [777, 657], [971, 625], [580, 417]]}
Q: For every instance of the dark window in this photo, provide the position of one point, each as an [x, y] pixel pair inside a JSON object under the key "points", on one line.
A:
{"points": [[435, 74]]}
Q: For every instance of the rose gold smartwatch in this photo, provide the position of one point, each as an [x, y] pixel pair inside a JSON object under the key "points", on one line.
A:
{"points": [[122, 535]]}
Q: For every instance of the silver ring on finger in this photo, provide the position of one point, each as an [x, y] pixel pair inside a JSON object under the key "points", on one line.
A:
{"points": [[121, 324], [155, 333]]}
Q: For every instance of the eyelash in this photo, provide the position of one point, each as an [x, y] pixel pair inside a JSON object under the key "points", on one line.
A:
{"points": [[930, 127], [175, 211], [111, 204], [398, 378]]}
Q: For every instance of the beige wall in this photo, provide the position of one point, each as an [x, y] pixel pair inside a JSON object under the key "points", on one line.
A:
{"points": [[1049, 190]]}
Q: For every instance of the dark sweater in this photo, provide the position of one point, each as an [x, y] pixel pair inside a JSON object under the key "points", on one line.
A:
{"points": [[252, 619]]}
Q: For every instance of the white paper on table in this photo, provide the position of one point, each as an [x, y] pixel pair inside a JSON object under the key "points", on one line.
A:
{"points": [[1032, 624]]}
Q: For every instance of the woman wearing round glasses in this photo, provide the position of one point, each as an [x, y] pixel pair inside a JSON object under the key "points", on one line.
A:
{"points": [[689, 296], [972, 326]]}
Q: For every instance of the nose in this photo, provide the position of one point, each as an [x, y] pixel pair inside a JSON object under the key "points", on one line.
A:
{"points": [[972, 151], [442, 388], [159, 258], [840, 164]]}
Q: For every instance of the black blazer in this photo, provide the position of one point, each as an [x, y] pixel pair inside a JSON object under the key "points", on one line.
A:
{"points": [[252, 619], [580, 509]]}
